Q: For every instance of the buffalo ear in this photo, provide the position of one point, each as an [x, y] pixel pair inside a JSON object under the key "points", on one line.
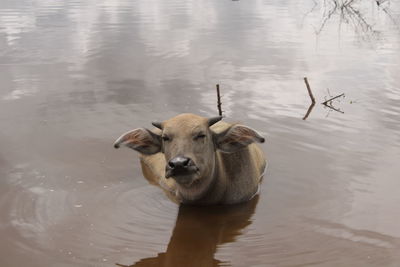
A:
{"points": [[141, 140], [237, 137]]}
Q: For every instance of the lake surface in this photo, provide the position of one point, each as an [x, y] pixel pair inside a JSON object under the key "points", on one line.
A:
{"points": [[74, 75]]}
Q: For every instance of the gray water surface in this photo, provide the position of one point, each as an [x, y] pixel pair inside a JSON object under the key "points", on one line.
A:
{"points": [[74, 75]]}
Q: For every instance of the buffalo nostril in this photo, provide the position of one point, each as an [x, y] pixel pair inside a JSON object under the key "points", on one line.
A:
{"points": [[185, 163], [171, 164]]}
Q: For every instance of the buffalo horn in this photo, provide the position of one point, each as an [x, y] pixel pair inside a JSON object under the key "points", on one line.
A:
{"points": [[214, 120], [157, 124]]}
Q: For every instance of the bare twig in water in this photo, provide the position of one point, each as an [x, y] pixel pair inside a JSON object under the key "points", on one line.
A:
{"points": [[333, 108], [329, 100], [312, 99], [310, 108], [219, 102], [328, 103], [309, 90]]}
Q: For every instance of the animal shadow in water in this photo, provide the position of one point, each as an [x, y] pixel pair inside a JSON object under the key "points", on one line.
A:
{"points": [[198, 231]]}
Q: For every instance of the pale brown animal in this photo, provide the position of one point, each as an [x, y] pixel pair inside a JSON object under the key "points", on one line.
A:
{"points": [[199, 160]]}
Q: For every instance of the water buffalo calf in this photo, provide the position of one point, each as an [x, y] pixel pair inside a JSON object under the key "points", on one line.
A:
{"points": [[199, 160]]}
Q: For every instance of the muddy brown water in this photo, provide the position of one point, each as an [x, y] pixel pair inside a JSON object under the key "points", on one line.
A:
{"points": [[74, 75]]}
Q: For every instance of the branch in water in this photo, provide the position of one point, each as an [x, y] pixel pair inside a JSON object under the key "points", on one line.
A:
{"points": [[329, 100], [333, 108], [309, 90], [308, 111], [219, 102]]}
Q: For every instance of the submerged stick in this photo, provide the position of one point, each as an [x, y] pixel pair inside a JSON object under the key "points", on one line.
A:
{"points": [[219, 102], [308, 111], [309, 90], [329, 100], [333, 108]]}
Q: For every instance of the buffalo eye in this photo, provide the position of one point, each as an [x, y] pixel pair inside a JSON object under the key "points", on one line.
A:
{"points": [[165, 138], [199, 136]]}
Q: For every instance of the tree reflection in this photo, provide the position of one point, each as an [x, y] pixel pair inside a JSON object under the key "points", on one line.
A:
{"points": [[352, 13], [199, 231]]}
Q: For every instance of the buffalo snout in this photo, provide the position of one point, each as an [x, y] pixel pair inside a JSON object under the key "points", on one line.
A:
{"points": [[180, 166]]}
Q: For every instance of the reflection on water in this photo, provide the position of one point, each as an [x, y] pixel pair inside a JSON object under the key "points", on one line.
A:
{"points": [[350, 14], [199, 231], [75, 74]]}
